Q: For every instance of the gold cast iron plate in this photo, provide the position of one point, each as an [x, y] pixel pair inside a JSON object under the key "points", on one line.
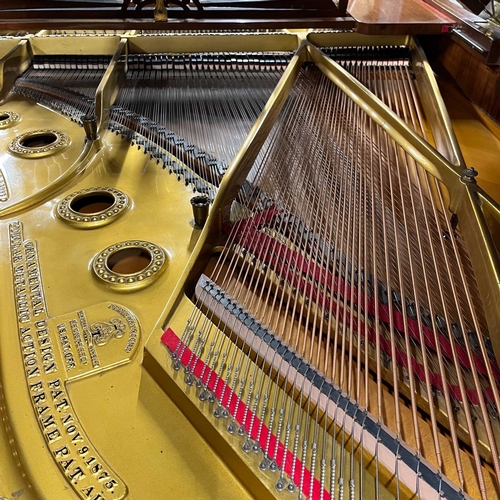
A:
{"points": [[17, 148], [96, 219]]}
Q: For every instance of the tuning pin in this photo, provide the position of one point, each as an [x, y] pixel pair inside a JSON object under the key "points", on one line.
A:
{"points": [[440, 323], [382, 293], [489, 347], [426, 317], [411, 309], [396, 298], [456, 331], [264, 465], [189, 379]]}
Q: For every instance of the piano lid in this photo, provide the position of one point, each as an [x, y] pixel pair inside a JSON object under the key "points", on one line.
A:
{"points": [[144, 11], [407, 17]]}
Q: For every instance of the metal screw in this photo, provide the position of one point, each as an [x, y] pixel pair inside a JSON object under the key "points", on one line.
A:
{"points": [[280, 485], [469, 175]]}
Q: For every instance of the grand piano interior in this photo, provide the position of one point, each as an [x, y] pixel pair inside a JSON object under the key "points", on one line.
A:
{"points": [[249, 249]]}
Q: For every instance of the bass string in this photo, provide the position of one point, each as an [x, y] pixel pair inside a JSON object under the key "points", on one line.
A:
{"points": [[199, 107], [68, 87]]}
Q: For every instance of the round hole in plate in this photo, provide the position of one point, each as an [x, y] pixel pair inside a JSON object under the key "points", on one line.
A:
{"points": [[4, 116], [130, 265], [130, 260], [38, 140], [93, 203]]}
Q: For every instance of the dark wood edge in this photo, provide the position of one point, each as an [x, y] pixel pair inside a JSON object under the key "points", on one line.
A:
{"points": [[436, 28], [173, 24]]}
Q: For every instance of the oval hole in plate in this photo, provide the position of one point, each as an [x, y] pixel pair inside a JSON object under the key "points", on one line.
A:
{"points": [[38, 140], [129, 260], [93, 203]]}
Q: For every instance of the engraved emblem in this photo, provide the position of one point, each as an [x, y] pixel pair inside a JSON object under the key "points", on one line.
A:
{"points": [[102, 332]]}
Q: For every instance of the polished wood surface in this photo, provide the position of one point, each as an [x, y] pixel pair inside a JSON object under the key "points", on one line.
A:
{"points": [[455, 9], [84, 23], [395, 17], [479, 82], [209, 9], [478, 136]]}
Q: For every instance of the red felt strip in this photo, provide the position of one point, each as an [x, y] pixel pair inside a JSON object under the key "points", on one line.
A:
{"points": [[239, 410], [299, 272], [291, 262]]}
